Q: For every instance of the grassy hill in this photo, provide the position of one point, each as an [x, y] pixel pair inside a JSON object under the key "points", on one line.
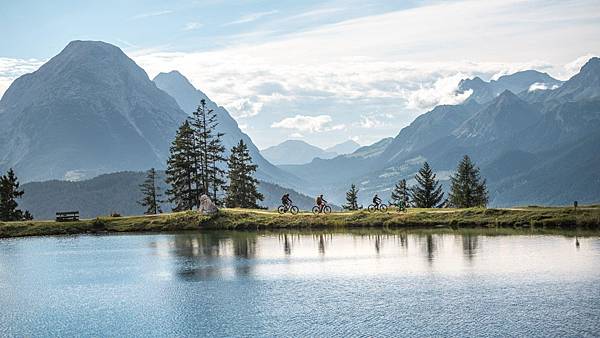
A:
{"points": [[530, 218], [118, 192]]}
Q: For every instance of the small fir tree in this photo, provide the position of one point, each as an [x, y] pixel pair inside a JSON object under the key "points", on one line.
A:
{"points": [[352, 198], [9, 193], [467, 189], [151, 196], [242, 190], [401, 195], [427, 193], [181, 167]]}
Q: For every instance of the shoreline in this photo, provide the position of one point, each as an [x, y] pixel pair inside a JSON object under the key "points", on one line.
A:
{"points": [[537, 219]]}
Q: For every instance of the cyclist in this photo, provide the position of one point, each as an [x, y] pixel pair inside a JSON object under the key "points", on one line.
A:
{"points": [[286, 201], [320, 202], [376, 201]]}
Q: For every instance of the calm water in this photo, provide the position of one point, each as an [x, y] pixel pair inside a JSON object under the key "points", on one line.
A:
{"points": [[343, 284]]}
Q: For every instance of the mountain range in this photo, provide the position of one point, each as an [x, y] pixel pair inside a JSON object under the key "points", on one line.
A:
{"points": [[301, 152], [91, 110], [535, 146]]}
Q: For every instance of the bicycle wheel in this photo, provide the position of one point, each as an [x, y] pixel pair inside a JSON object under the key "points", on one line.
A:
{"points": [[327, 209], [383, 208], [315, 210], [294, 210], [371, 208], [281, 209]]}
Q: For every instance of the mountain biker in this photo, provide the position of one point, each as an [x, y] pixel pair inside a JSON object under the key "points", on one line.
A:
{"points": [[286, 201], [320, 202], [376, 200]]}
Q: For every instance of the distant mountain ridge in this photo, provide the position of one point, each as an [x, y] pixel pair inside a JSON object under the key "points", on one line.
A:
{"points": [[531, 137], [483, 91], [347, 147], [294, 152]]}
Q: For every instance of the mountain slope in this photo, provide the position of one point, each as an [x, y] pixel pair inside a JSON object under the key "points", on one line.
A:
{"points": [[294, 152], [88, 110], [527, 147], [343, 148], [117, 192], [188, 98]]}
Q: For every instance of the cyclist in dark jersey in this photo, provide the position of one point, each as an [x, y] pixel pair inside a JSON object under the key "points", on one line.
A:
{"points": [[320, 202], [376, 200], [286, 201]]}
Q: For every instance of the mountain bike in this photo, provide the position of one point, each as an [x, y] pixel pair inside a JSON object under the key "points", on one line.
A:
{"points": [[282, 209], [326, 209], [380, 207]]}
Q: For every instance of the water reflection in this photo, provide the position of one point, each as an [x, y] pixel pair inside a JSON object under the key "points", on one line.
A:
{"points": [[230, 255], [469, 245], [430, 248]]}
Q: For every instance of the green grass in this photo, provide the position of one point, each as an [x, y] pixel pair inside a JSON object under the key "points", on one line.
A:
{"points": [[538, 219]]}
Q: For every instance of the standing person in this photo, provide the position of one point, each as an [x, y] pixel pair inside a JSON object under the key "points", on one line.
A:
{"points": [[321, 202]]}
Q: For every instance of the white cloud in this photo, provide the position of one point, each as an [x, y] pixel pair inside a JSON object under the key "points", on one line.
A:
{"points": [[151, 14], [442, 91], [304, 123], [192, 26], [241, 108], [369, 122], [296, 135], [541, 86], [251, 17], [574, 66]]}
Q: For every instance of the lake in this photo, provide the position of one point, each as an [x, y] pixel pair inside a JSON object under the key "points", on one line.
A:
{"points": [[363, 283]]}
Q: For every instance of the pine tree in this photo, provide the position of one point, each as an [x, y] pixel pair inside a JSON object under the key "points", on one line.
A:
{"points": [[209, 153], [216, 173], [427, 193], [352, 198], [9, 193], [467, 188], [181, 167], [401, 195], [242, 190], [151, 194]]}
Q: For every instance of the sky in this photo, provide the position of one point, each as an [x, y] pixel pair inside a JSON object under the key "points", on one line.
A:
{"points": [[320, 71]]}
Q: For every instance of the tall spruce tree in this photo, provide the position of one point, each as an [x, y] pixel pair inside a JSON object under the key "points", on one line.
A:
{"points": [[181, 169], [9, 193], [151, 196], [351, 198], [216, 173], [242, 190], [209, 158], [427, 193], [401, 195], [467, 189]]}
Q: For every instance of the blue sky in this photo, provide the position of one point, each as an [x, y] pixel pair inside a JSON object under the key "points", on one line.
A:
{"points": [[321, 71]]}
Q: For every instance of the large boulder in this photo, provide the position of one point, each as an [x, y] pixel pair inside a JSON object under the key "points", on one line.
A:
{"points": [[207, 207]]}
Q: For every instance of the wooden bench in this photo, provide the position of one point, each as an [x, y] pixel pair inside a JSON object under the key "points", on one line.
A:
{"points": [[65, 216]]}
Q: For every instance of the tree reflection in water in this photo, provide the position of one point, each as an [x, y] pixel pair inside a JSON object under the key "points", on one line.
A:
{"points": [[470, 246]]}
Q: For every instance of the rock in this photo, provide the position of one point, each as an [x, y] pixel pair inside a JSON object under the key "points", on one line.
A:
{"points": [[207, 207]]}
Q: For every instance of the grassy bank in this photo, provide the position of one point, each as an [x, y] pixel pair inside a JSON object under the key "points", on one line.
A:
{"points": [[535, 218]]}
